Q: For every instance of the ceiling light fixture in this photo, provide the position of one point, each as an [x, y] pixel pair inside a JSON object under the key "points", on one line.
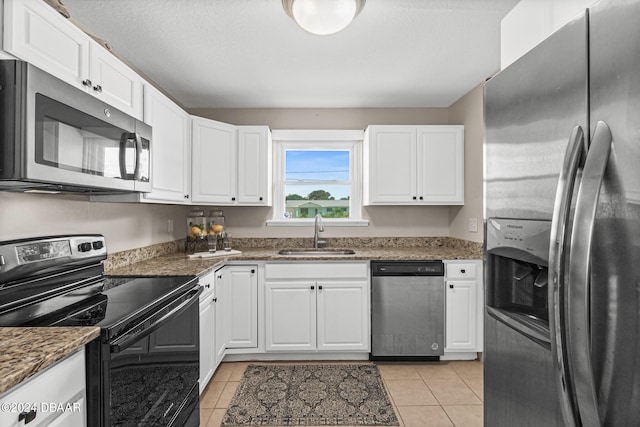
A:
{"points": [[323, 17]]}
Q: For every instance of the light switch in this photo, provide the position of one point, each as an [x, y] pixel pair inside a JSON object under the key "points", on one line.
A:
{"points": [[473, 225]]}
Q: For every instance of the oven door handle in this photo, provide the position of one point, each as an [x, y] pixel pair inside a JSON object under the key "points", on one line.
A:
{"points": [[123, 342]]}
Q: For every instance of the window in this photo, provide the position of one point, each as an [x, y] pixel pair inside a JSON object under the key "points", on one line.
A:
{"points": [[317, 172]]}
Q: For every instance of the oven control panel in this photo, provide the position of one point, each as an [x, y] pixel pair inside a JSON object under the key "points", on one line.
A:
{"points": [[49, 251]]}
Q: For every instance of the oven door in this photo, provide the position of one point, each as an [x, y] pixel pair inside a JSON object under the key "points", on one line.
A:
{"points": [[150, 374]]}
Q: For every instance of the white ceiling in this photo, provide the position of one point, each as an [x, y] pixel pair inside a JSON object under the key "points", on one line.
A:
{"points": [[250, 54]]}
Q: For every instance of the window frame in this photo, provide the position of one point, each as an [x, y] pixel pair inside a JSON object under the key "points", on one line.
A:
{"points": [[350, 140]]}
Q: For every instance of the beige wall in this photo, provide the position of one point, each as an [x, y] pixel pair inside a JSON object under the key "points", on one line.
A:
{"points": [[468, 111], [124, 225], [128, 226]]}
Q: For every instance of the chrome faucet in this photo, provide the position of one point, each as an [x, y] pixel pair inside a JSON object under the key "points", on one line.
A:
{"points": [[317, 228]]}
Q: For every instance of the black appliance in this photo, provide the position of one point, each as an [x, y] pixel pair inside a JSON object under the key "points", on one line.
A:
{"points": [[144, 368], [56, 137]]}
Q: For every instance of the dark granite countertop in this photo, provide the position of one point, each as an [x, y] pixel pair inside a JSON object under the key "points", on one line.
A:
{"points": [[27, 351], [178, 264]]}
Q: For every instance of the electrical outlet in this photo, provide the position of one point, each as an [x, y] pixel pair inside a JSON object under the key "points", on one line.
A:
{"points": [[170, 226], [473, 225]]}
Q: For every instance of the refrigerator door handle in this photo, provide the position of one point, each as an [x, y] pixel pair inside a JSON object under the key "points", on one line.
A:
{"points": [[557, 260], [578, 319]]}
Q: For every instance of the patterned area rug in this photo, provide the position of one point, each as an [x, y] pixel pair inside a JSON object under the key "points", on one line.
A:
{"points": [[311, 395]]}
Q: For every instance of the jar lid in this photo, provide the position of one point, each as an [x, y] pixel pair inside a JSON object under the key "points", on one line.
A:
{"points": [[215, 212], [196, 212]]}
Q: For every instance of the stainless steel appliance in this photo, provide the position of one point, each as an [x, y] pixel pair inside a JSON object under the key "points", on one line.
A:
{"points": [[407, 310], [144, 368], [55, 137], [561, 172]]}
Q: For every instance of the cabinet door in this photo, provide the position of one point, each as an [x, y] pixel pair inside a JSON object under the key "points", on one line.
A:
{"points": [[391, 164], [461, 315], [343, 315], [290, 316], [214, 162], [207, 355], [441, 164], [220, 340], [36, 33], [254, 165], [114, 82], [241, 306], [170, 153]]}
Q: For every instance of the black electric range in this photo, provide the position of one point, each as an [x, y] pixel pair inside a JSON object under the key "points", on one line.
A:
{"points": [[149, 326]]}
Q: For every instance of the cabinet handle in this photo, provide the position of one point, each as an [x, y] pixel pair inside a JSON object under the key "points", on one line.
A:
{"points": [[27, 416], [252, 271], [97, 88], [462, 270], [214, 300], [186, 196], [320, 287], [421, 198], [414, 197], [208, 285], [233, 199], [312, 287], [451, 286], [87, 83], [260, 198]]}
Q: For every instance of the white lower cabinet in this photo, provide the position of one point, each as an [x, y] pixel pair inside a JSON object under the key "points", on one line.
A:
{"points": [[207, 330], [57, 396], [317, 307], [464, 306], [240, 305]]}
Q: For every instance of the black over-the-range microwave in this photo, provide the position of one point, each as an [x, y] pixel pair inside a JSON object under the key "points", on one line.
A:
{"points": [[56, 137]]}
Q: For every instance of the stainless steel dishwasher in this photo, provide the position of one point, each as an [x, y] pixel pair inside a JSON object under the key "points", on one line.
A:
{"points": [[407, 310]]}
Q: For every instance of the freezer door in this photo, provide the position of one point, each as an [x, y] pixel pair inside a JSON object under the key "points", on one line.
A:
{"points": [[612, 261], [531, 109], [536, 112]]}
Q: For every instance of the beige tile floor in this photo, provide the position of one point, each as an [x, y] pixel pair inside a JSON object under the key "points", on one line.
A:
{"points": [[423, 394]]}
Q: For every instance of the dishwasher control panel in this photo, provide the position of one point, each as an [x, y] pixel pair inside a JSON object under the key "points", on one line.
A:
{"points": [[407, 268]]}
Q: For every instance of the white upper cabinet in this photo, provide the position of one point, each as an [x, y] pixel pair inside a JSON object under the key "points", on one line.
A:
{"points": [[36, 33], [114, 82], [441, 164], [170, 151], [390, 159], [231, 165], [254, 165], [414, 165], [213, 162]]}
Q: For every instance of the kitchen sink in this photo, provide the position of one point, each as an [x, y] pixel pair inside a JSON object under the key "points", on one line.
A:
{"points": [[316, 251]]}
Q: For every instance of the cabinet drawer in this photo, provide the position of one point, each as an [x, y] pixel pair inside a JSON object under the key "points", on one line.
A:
{"points": [[317, 270], [54, 392], [461, 270]]}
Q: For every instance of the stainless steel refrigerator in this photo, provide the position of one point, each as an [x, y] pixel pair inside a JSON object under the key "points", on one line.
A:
{"points": [[562, 222]]}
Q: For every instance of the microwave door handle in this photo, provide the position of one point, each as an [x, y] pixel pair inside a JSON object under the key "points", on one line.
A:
{"points": [[125, 341], [557, 256], [124, 139], [136, 172], [579, 337]]}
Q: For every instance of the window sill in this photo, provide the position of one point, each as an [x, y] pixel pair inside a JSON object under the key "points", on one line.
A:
{"points": [[329, 222]]}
